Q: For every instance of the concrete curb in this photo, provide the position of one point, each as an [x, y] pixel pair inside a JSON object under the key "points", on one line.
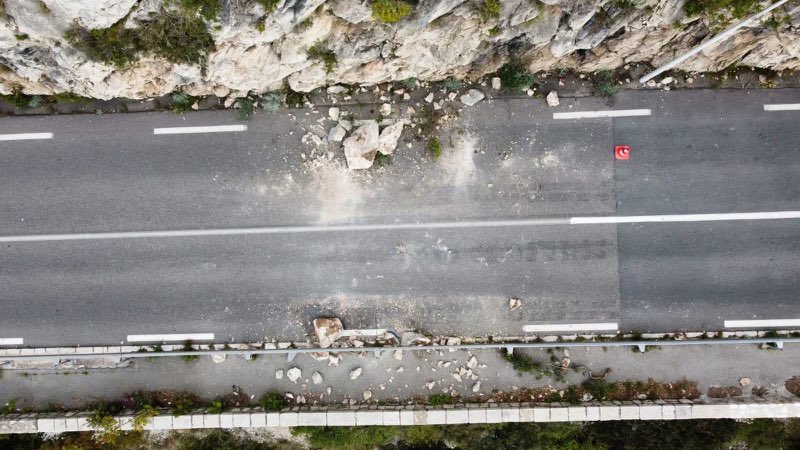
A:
{"points": [[469, 413]]}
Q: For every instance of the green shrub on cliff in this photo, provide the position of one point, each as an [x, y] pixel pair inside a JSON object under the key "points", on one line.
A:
{"points": [[738, 9], [175, 36], [390, 11]]}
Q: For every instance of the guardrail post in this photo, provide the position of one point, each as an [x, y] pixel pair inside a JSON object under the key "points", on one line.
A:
{"points": [[510, 350], [377, 353], [290, 356], [779, 345], [642, 348]]}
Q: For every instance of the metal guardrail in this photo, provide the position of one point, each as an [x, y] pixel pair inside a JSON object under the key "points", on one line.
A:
{"points": [[641, 345]]}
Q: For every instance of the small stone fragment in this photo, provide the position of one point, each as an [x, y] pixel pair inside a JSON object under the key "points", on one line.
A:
{"points": [[320, 356], [496, 83], [429, 98], [745, 381], [514, 303], [279, 374], [398, 355], [367, 395], [552, 98], [476, 387], [472, 97], [386, 109], [333, 360], [430, 385], [457, 377], [329, 390], [355, 373], [667, 80], [333, 113], [316, 378], [472, 363], [217, 358], [336, 134], [293, 374]]}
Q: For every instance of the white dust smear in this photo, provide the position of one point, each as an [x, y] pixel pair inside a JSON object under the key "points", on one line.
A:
{"points": [[549, 160], [457, 160], [340, 192]]}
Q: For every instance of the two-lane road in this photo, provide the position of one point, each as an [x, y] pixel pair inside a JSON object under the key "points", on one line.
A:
{"points": [[697, 153]]}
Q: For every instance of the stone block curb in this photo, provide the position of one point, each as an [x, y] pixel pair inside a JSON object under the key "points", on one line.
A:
{"points": [[422, 415]]}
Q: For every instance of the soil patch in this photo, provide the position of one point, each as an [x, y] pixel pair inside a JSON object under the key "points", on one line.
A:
{"points": [[793, 385], [724, 392]]}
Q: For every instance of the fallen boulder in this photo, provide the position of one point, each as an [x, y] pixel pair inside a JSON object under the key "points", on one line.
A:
{"points": [[361, 146], [387, 141]]}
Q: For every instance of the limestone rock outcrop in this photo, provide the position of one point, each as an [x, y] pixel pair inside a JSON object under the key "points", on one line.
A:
{"points": [[256, 51]]}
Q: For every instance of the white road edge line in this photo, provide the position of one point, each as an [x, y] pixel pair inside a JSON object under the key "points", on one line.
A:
{"points": [[601, 326], [774, 215], [170, 337], [597, 220], [599, 114], [363, 332], [205, 129], [782, 107], [766, 323], [25, 136], [10, 341]]}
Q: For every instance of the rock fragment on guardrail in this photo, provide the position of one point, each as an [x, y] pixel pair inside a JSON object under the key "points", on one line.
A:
{"points": [[329, 329]]}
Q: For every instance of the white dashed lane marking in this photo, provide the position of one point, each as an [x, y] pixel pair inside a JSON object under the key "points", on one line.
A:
{"points": [[206, 129], [25, 136]]}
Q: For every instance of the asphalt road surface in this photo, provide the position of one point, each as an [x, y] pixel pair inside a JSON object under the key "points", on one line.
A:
{"points": [[438, 245]]}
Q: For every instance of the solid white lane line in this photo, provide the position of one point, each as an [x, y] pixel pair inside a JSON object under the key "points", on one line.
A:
{"points": [[548, 328], [686, 218], [280, 230], [206, 129], [25, 136], [599, 114], [766, 323], [170, 337], [10, 341], [782, 107], [400, 226]]}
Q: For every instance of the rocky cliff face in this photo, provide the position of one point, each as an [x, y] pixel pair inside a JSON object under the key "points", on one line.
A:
{"points": [[256, 50]]}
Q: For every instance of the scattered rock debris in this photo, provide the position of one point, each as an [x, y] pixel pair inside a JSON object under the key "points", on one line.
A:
{"points": [[294, 374]]}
